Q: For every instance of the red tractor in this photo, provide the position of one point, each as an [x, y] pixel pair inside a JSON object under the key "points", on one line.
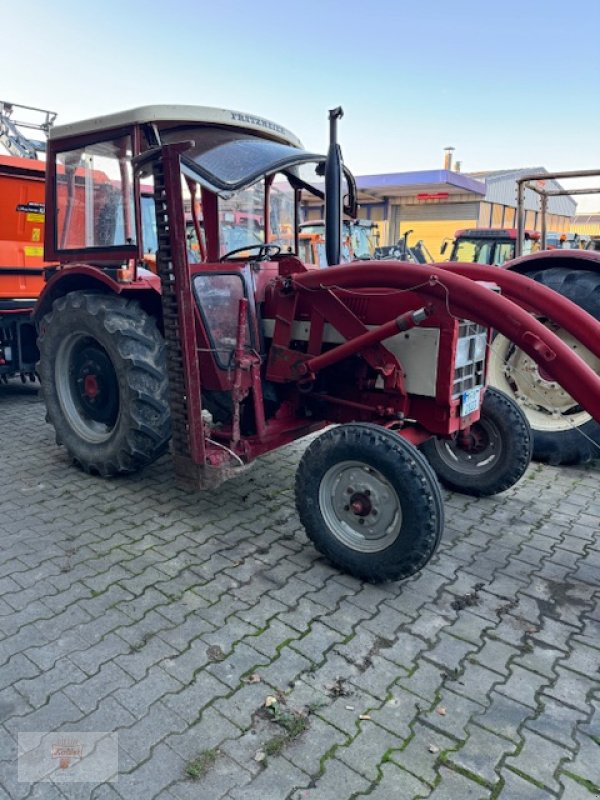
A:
{"points": [[233, 355]]}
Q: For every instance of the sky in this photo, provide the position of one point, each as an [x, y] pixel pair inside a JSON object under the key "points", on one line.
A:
{"points": [[508, 84]]}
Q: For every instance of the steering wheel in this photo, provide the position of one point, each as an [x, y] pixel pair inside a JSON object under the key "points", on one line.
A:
{"points": [[265, 251]]}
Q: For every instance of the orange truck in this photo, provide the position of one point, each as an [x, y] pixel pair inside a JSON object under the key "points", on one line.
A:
{"points": [[22, 218]]}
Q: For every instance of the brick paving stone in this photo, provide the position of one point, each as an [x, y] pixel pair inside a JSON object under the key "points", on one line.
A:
{"points": [[572, 689], [337, 782], [451, 714], [369, 749], [138, 738], [285, 669], [482, 754], [539, 759], [396, 784], [397, 712], [504, 716], [344, 712], [557, 722], [424, 681], [586, 763], [378, 676], [223, 775], [306, 751], [208, 733], [516, 787], [522, 686], [421, 754], [454, 785], [200, 692], [279, 780]]}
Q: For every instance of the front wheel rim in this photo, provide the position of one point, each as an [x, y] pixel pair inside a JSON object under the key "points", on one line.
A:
{"points": [[87, 387], [479, 455], [360, 506]]}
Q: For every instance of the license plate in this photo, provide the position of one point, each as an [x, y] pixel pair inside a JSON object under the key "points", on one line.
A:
{"points": [[469, 402]]}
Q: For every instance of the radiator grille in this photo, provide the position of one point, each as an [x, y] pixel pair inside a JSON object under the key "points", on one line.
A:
{"points": [[469, 365]]}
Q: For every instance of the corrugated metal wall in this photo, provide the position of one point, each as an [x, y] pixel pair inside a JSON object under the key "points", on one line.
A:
{"points": [[502, 189]]}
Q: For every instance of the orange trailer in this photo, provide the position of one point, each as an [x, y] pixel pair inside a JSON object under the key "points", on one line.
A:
{"points": [[22, 216]]}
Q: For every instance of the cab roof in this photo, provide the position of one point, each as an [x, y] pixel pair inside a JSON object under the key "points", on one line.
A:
{"points": [[166, 116]]}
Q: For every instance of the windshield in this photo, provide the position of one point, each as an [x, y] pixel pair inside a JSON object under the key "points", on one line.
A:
{"points": [[242, 219], [241, 214], [473, 251]]}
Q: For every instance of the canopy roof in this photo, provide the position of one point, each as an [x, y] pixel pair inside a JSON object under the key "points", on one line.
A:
{"points": [[166, 116]]}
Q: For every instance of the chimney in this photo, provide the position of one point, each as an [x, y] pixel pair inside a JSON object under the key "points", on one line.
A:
{"points": [[457, 166], [448, 157]]}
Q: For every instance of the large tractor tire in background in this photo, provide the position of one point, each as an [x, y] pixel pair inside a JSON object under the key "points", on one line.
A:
{"points": [[104, 381], [370, 502], [563, 432], [491, 457]]}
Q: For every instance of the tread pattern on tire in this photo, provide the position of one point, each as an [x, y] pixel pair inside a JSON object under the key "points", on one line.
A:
{"points": [[144, 426], [425, 504]]}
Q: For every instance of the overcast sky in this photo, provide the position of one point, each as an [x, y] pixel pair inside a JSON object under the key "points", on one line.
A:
{"points": [[509, 84]]}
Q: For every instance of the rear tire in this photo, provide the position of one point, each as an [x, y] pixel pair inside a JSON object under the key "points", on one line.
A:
{"points": [[569, 435], [497, 455], [103, 378], [364, 472]]}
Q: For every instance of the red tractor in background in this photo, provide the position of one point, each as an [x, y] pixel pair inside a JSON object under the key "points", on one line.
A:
{"points": [[493, 246], [235, 354], [564, 432], [21, 236]]}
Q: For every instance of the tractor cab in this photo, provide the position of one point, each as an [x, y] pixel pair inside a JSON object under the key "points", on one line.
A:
{"points": [[493, 246], [242, 179]]}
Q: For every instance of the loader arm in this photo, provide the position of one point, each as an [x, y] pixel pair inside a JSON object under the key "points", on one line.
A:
{"points": [[469, 299]]}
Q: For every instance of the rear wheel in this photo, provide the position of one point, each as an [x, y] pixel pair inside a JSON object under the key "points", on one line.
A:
{"points": [[491, 457], [103, 378], [370, 502], [563, 432]]}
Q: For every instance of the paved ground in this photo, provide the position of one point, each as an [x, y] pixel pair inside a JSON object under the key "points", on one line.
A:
{"points": [[131, 606]]}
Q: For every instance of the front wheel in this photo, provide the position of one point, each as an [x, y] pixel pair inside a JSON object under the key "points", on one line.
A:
{"points": [[369, 502], [491, 457]]}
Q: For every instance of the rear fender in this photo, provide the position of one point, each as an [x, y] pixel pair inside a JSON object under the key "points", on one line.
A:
{"points": [[546, 259], [82, 277]]}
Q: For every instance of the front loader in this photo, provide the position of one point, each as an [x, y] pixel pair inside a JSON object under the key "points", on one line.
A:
{"points": [[233, 355]]}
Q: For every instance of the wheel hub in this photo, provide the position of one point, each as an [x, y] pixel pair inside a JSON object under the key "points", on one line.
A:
{"points": [[360, 505], [87, 387], [90, 386], [474, 451]]}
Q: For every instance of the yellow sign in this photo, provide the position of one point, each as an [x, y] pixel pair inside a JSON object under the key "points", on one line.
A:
{"points": [[34, 251], [35, 217], [36, 234]]}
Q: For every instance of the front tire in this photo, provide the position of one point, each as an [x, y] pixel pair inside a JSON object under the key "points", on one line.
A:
{"points": [[495, 454], [103, 378], [369, 502], [563, 432]]}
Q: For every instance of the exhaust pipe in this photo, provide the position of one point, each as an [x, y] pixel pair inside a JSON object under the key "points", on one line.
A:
{"points": [[334, 200]]}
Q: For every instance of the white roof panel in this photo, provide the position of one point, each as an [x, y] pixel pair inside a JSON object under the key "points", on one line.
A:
{"points": [[171, 114]]}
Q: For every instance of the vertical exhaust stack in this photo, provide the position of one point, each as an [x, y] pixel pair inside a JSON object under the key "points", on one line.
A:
{"points": [[334, 201], [448, 158]]}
